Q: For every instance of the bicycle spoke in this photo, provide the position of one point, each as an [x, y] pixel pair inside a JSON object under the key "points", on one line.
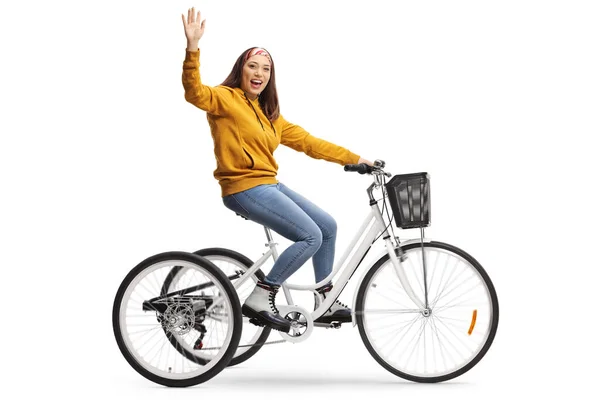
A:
{"points": [[432, 344], [162, 341], [250, 333]]}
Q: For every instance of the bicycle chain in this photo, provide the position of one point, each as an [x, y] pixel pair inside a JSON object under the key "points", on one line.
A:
{"points": [[252, 345], [247, 345]]}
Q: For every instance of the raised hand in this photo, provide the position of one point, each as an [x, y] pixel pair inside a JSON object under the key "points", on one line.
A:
{"points": [[193, 28]]}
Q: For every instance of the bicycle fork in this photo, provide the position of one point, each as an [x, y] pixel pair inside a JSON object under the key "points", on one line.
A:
{"points": [[398, 257]]}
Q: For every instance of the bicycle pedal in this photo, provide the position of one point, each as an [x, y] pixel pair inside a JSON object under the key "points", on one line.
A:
{"points": [[328, 325]]}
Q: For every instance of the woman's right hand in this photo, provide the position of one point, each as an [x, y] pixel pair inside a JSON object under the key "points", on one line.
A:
{"points": [[193, 28]]}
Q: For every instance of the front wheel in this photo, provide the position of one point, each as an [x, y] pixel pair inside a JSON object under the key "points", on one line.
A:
{"points": [[436, 343]]}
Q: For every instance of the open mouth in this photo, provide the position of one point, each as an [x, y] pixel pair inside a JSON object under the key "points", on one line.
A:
{"points": [[256, 83]]}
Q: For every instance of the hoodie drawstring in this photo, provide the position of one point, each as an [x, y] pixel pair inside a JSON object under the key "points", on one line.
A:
{"points": [[257, 117]]}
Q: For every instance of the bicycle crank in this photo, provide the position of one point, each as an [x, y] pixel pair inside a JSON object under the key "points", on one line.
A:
{"points": [[301, 323]]}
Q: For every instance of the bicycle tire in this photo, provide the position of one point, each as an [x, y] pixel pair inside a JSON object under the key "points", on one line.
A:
{"points": [[489, 325], [246, 262], [240, 261], [164, 375]]}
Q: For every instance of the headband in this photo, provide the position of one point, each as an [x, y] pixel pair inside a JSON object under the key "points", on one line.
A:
{"points": [[257, 51]]}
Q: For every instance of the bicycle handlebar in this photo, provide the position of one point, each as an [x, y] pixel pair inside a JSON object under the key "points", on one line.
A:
{"points": [[360, 168], [378, 172], [376, 169]]}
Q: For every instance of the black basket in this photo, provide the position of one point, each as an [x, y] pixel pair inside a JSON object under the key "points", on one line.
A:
{"points": [[410, 200]]}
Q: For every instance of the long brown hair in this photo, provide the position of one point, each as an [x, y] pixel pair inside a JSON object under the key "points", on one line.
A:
{"points": [[268, 99]]}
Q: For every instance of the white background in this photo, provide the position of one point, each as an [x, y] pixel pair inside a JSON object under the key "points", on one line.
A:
{"points": [[103, 164]]}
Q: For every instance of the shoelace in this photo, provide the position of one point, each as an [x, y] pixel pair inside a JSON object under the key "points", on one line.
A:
{"points": [[326, 289], [341, 304], [272, 294]]}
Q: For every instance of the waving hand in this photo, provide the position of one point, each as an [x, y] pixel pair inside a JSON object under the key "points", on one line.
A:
{"points": [[193, 28]]}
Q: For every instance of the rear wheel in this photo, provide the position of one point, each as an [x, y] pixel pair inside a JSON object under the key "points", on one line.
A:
{"points": [[146, 320], [232, 262], [435, 344], [233, 265]]}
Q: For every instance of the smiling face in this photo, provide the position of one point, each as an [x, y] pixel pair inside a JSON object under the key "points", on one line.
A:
{"points": [[255, 75]]}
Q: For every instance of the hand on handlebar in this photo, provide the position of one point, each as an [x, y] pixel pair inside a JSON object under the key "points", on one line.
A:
{"points": [[360, 168], [364, 161], [365, 168]]}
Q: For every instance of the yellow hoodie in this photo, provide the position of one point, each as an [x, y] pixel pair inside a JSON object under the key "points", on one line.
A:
{"points": [[244, 146]]}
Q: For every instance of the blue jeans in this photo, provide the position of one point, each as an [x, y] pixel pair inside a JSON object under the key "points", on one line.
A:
{"points": [[312, 230]]}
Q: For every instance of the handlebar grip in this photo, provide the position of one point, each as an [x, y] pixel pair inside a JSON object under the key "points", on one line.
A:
{"points": [[360, 168]]}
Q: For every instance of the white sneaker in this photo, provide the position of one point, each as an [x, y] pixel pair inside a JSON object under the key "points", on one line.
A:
{"points": [[260, 308], [338, 312]]}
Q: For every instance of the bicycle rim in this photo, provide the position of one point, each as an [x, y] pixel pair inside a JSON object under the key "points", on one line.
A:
{"points": [[251, 334], [431, 345], [144, 334]]}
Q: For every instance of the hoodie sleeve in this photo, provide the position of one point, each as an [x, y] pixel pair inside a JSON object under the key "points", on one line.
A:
{"points": [[298, 139], [213, 100]]}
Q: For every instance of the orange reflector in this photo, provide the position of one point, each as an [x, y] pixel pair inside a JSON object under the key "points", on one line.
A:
{"points": [[473, 319]]}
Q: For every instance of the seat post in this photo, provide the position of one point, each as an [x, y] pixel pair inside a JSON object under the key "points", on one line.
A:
{"points": [[269, 234], [271, 244]]}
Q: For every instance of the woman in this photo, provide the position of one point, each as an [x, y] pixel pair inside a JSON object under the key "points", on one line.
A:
{"points": [[246, 126]]}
